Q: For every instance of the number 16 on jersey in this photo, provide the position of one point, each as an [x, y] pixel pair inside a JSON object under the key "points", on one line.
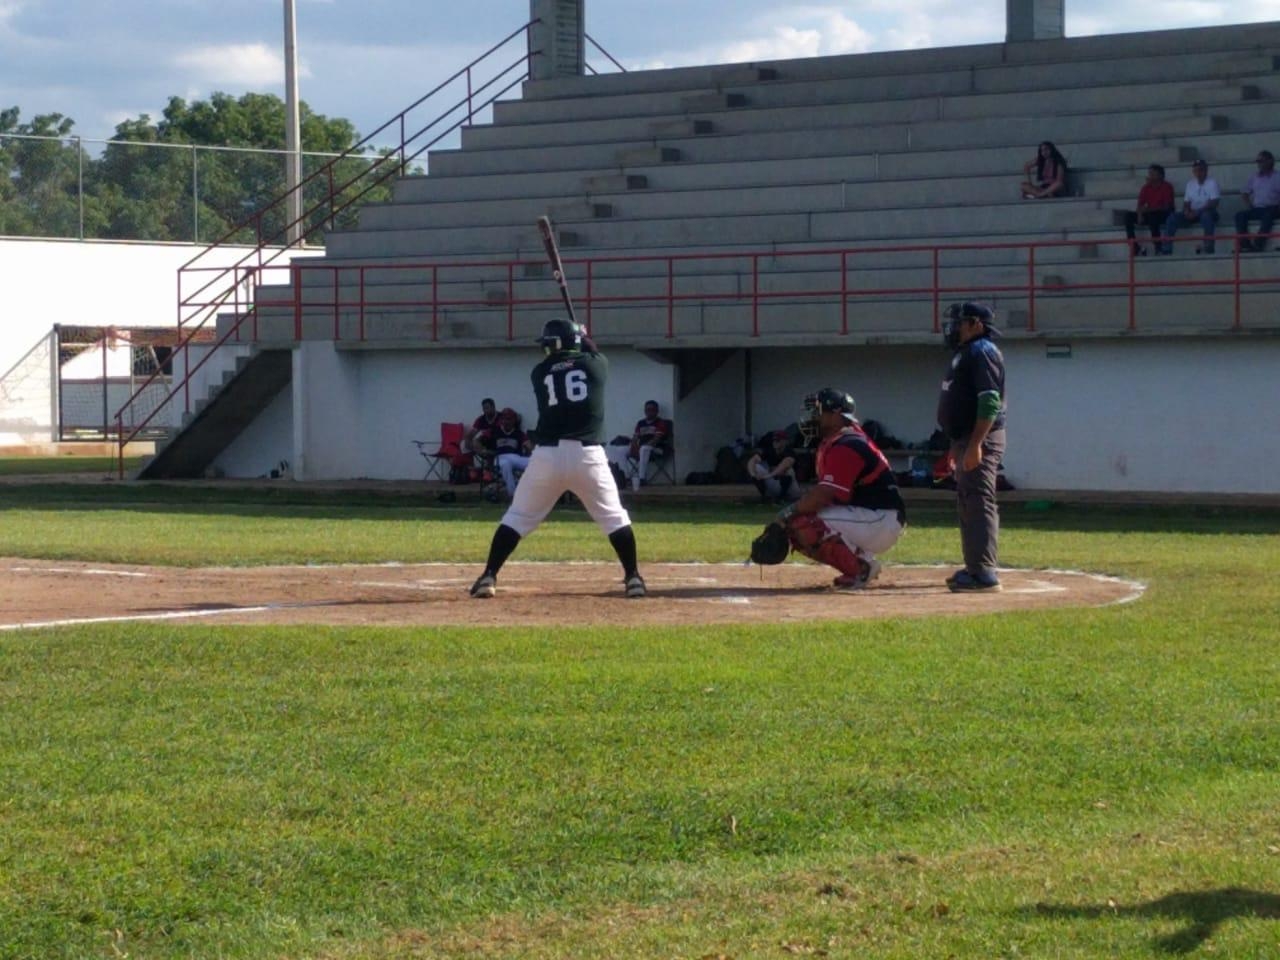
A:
{"points": [[575, 387]]}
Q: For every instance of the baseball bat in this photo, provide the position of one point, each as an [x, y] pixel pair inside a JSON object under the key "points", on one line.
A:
{"points": [[557, 268]]}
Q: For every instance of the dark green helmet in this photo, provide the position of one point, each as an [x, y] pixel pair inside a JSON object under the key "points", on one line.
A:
{"points": [[559, 335]]}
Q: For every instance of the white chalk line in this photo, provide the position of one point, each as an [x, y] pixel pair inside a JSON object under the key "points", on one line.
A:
{"points": [[80, 573]]}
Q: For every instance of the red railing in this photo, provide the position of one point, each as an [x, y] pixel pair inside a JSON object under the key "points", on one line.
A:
{"points": [[761, 278]]}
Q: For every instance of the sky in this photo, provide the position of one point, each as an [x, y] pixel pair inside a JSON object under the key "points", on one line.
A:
{"points": [[100, 62]]}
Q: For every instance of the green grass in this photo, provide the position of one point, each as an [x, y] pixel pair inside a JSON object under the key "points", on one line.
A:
{"points": [[1059, 784], [39, 466]]}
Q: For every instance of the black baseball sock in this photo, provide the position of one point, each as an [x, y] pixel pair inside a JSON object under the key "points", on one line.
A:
{"points": [[505, 540], [624, 545]]}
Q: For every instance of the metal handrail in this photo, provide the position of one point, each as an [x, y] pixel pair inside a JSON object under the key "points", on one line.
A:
{"points": [[608, 56], [198, 307]]}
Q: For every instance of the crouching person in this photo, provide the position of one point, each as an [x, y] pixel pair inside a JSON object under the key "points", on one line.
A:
{"points": [[854, 511]]}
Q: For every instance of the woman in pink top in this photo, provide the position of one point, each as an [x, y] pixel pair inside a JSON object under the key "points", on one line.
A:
{"points": [[1047, 174]]}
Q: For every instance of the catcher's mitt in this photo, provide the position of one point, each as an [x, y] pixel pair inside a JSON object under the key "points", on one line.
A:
{"points": [[772, 546]]}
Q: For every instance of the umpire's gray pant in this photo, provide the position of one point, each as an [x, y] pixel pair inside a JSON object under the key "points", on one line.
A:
{"points": [[976, 504]]}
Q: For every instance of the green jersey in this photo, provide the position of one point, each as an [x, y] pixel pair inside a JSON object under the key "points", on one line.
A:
{"points": [[569, 387]]}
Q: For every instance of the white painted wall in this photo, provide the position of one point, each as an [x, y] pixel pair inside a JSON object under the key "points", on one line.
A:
{"points": [[1178, 415], [354, 413], [712, 416], [80, 282], [1174, 415]]}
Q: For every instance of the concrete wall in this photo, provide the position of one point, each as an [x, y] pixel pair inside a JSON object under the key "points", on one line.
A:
{"points": [[1186, 415], [356, 413], [77, 282]]}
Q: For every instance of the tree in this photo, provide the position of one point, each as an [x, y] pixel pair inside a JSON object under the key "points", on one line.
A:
{"points": [[210, 192], [41, 174]]}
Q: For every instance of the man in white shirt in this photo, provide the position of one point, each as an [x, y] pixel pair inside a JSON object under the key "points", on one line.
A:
{"points": [[1262, 201], [1199, 205]]}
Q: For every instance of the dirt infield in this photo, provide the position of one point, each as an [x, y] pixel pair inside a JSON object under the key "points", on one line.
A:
{"points": [[53, 593]]}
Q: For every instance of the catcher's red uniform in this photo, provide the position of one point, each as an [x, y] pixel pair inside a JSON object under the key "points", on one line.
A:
{"points": [[868, 516]]}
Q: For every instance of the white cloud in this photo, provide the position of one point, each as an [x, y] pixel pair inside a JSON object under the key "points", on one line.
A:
{"points": [[237, 64]]}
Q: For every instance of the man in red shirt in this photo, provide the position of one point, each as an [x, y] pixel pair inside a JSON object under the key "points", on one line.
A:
{"points": [[1155, 203], [854, 510]]}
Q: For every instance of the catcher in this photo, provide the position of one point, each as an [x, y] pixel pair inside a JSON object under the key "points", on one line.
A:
{"points": [[854, 510]]}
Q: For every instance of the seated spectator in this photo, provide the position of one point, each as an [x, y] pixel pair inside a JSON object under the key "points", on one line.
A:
{"points": [[508, 445], [772, 468], [1262, 199], [1047, 174], [651, 440], [1155, 204], [1199, 205], [487, 420]]}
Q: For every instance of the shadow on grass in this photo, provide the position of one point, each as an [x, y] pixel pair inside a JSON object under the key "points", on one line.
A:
{"points": [[1203, 910], [465, 504]]}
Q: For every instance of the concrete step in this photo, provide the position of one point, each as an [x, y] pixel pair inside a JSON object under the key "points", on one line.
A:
{"points": [[615, 183], [1165, 156], [1172, 94], [854, 166], [938, 135], [1189, 125], [1039, 66], [645, 156]]}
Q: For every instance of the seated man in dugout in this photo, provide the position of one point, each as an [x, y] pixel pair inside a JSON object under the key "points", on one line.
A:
{"points": [[1155, 205], [651, 440], [487, 420], [1046, 173], [772, 468]]}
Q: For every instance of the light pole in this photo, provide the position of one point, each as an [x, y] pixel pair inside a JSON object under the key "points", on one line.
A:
{"points": [[293, 127]]}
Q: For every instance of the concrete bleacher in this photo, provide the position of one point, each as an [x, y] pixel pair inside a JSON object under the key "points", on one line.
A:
{"points": [[870, 151]]}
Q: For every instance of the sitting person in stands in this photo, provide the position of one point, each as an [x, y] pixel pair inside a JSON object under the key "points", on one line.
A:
{"points": [[650, 440], [1155, 204], [1199, 205], [1046, 173], [772, 468], [508, 445], [1262, 203]]}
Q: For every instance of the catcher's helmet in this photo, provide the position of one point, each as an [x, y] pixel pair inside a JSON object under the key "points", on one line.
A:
{"points": [[969, 310], [828, 400], [560, 334]]}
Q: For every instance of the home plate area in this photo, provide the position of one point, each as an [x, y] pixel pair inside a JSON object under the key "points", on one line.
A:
{"points": [[57, 593]]}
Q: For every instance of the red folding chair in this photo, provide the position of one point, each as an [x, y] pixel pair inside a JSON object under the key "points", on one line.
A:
{"points": [[443, 454]]}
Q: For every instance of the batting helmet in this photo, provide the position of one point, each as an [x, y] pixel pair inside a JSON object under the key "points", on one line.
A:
{"points": [[560, 334], [968, 310]]}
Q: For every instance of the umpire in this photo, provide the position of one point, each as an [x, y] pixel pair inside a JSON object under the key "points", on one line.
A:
{"points": [[971, 411]]}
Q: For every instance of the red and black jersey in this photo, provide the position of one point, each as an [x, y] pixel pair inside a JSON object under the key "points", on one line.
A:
{"points": [[500, 441], [851, 465], [655, 432]]}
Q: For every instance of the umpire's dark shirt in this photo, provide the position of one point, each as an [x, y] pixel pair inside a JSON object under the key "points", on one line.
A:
{"points": [[978, 366]]}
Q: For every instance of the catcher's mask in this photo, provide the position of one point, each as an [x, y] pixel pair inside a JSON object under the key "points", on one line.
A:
{"points": [[969, 310], [830, 400], [560, 334]]}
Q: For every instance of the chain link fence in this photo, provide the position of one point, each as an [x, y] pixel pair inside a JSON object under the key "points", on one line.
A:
{"points": [[75, 188]]}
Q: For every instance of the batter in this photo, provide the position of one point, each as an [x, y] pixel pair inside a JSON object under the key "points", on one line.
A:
{"points": [[569, 386]]}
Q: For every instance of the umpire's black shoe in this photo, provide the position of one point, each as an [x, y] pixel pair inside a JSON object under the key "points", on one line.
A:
{"points": [[965, 582], [485, 587], [635, 587]]}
